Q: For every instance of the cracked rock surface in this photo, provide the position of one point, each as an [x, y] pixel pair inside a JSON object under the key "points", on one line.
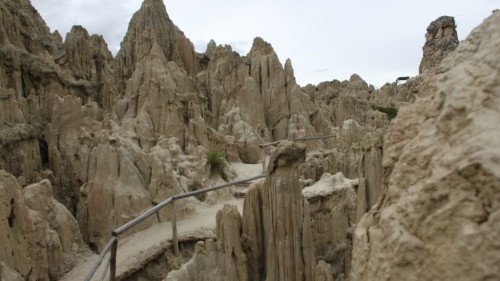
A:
{"points": [[439, 218]]}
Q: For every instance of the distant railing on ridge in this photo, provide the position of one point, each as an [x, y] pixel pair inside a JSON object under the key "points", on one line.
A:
{"points": [[113, 242], [297, 139]]}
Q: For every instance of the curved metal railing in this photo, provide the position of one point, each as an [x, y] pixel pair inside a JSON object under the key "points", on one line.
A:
{"points": [[113, 242], [112, 245]]}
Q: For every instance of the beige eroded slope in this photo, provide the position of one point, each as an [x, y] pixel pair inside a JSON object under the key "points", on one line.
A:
{"points": [[439, 218]]}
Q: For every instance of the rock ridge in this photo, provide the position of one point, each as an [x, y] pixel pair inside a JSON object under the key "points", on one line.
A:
{"points": [[438, 218]]}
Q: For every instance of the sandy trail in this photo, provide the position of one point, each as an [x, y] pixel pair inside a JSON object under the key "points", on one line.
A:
{"points": [[138, 249]]}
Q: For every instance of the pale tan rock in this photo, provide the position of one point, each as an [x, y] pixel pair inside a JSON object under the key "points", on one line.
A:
{"points": [[152, 24], [439, 217], [228, 232], [253, 234], [115, 191], [19, 19], [225, 260], [16, 230], [41, 237], [354, 159], [7, 274], [283, 243], [323, 272], [440, 40], [89, 59], [332, 202]]}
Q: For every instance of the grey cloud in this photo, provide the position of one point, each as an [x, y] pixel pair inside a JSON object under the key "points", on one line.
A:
{"points": [[373, 39]]}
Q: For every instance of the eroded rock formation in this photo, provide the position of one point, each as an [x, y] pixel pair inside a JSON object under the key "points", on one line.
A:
{"points": [[151, 24], [333, 206], [273, 241], [439, 217], [221, 260], [441, 39], [277, 224], [40, 238], [114, 136]]}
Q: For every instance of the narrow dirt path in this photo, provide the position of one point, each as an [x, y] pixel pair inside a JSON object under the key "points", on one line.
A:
{"points": [[138, 249]]}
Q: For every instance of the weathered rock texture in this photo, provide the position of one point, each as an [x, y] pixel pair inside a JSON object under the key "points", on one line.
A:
{"points": [[439, 218], [441, 39], [151, 24], [273, 241], [360, 116], [332, 202], [277, 224], [116, 136], [221, 260], [40, 238]]}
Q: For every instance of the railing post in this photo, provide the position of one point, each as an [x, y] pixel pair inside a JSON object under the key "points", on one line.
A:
{"points": [[112, 260], [263, 161], [174, 229]]}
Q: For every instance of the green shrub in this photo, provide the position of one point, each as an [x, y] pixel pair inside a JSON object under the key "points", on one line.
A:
{"points": [[216, 160], [390, 111]]}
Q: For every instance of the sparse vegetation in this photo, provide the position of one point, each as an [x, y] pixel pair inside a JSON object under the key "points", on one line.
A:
{"points": [[390, 111], [216, 160]]}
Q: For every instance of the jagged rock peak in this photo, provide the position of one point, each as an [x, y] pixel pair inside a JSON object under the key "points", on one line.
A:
{"points": [[260, 45], [441, 39], [153, 3], [20, 18], [151, 24]]}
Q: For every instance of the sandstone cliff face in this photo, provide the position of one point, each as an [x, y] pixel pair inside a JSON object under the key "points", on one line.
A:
{"points": [[277, 224], [152, 24], [40, 238], [274, 239], [439, 216], [89, 59], [333, 206], [221, 260], [359, 116], [117, 136], [441, 39]]}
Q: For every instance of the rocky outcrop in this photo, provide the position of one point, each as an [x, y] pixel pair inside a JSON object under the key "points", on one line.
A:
{"points": [[148, 25], [40, 238], [89, 59], [333, 204], [360, 116], [22, 27], [116, 136], [276, 222], [439, 217], [17, 235], [441, 39], [357, 153], [323, 272], [221, 260]]}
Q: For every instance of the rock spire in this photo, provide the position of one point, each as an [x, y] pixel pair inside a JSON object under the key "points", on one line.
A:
{"points": [[441, 38]]}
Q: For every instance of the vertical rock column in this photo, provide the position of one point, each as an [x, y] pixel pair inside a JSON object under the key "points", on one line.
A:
{"points": [[276, 222], [440, 40]]}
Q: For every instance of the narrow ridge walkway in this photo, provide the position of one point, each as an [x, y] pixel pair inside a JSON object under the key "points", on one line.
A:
{"points": [[142, 247]]}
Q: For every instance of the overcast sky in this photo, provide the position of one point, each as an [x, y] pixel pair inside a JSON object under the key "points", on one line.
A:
{"points": [[325, 39]]}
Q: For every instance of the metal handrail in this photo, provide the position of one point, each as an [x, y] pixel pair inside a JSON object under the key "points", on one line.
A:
{"points": [[113, 242], [297, 139], [103, 275], [100, 258], [142, 217]]}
